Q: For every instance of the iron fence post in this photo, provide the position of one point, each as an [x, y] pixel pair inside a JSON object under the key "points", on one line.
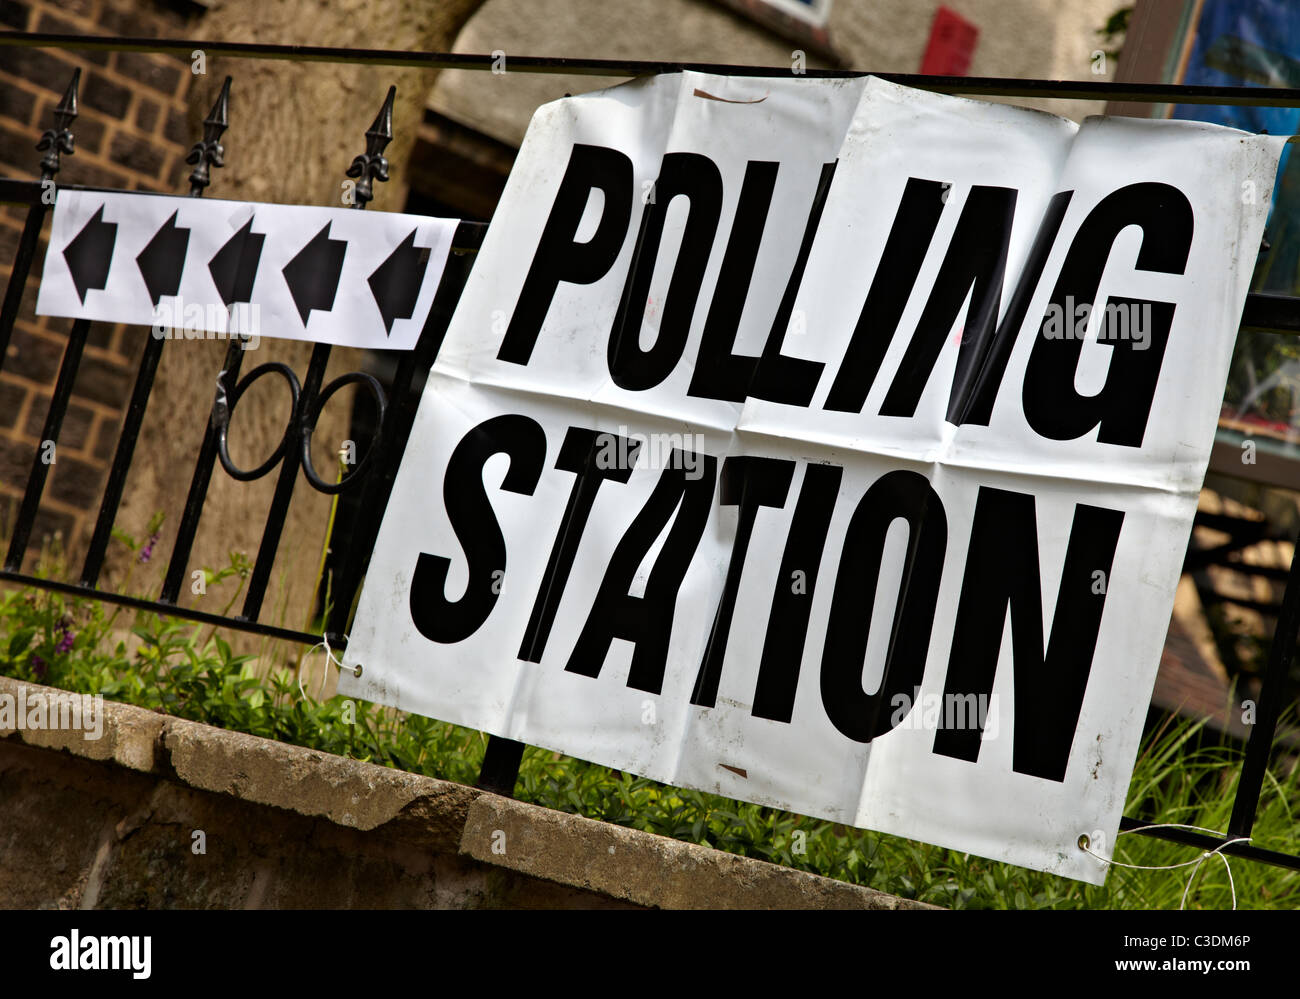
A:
{"points": [[207, 152]]}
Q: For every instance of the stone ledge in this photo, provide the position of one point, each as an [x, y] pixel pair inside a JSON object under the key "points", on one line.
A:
{"points": [[646, 869], [130, 734], [438, 818]]}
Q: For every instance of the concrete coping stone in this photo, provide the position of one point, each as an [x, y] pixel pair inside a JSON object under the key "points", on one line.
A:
{"points": [[627, 864]]}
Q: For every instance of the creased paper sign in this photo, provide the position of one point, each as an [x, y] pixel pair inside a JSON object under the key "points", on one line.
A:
{"points": [[828, 445], [201, 268]]}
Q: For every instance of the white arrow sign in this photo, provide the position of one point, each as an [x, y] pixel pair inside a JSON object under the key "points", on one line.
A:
{"points": [[207, 269]]}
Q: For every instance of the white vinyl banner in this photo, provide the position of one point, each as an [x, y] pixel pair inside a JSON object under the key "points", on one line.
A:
{"points": [[828, 445], [193, 268]]}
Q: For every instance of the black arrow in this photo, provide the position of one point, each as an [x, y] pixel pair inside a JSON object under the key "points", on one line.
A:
{"points": [[234, 266], [396, 282], [90, 252], [313, 275], [162, 260]]}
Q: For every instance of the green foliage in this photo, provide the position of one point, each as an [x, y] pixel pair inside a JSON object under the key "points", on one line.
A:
{"points": [[173, 668], [1115, 28]]}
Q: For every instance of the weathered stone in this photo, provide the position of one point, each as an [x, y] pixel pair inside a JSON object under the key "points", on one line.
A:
{"points": [[167, 813], [649, 870], [129, 735], [347, 792]]}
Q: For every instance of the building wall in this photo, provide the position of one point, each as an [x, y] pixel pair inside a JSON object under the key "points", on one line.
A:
{"points": [[1043, 39], [132, 132], [1017, 38]]}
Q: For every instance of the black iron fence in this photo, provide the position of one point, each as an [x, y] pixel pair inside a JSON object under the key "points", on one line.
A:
{"points": [[373, 475]]}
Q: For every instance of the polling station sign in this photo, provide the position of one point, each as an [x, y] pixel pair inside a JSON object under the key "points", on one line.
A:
{"points": [[828, 445]]}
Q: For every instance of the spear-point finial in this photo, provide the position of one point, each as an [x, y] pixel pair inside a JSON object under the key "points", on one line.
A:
{"points": [[372, 165], [58, 140], [209, 152]]}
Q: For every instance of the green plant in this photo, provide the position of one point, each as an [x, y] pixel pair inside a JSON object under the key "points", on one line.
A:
{"points": [[1181, 776], [1114, 30]]}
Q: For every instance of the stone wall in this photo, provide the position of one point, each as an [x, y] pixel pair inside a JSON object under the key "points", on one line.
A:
{"points": [[114, 822]]}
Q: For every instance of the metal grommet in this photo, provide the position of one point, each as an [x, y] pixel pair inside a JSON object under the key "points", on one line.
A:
{"points": [[1084, 841], [356, 671]]}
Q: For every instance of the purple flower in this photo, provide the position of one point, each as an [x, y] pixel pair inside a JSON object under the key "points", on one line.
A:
{"points": [[38, 667], [146, 552], [65, 643]]}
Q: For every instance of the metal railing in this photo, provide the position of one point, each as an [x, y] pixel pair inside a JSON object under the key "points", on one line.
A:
{"points": [[375, 474]]}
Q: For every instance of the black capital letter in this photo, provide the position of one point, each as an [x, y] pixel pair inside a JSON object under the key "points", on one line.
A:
{"points": [[891, 286], [1052, 406], [720, 374], [470, 513], [796, 582], [559, 256], [779, 377], [583, 453], [697, 178], [901, 494], [749, 482], [648, 621], [1002, 576]]}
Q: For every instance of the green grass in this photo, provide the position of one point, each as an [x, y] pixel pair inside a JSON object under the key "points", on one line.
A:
{"points": [[191, 672]]}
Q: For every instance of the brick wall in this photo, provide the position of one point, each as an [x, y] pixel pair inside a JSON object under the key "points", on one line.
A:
{"points": [[132, 133]]}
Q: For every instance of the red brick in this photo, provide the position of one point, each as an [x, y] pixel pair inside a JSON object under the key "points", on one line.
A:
{"points": [[102, 382], [15, 462], [88, 134], [12, 396], [147, 114], [178, 129], [130, 344], [154, 186], [74, 482], [77, 420], [92, 175], [163, 77], [102, 94], [9, 237], [58, 25], [81, 8], [106, 439], [130, 23], [101, 335], [34, 357], [137, 155], [27, 304], [37, 67], [13, 14], [16, 103], [18, 148]]}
